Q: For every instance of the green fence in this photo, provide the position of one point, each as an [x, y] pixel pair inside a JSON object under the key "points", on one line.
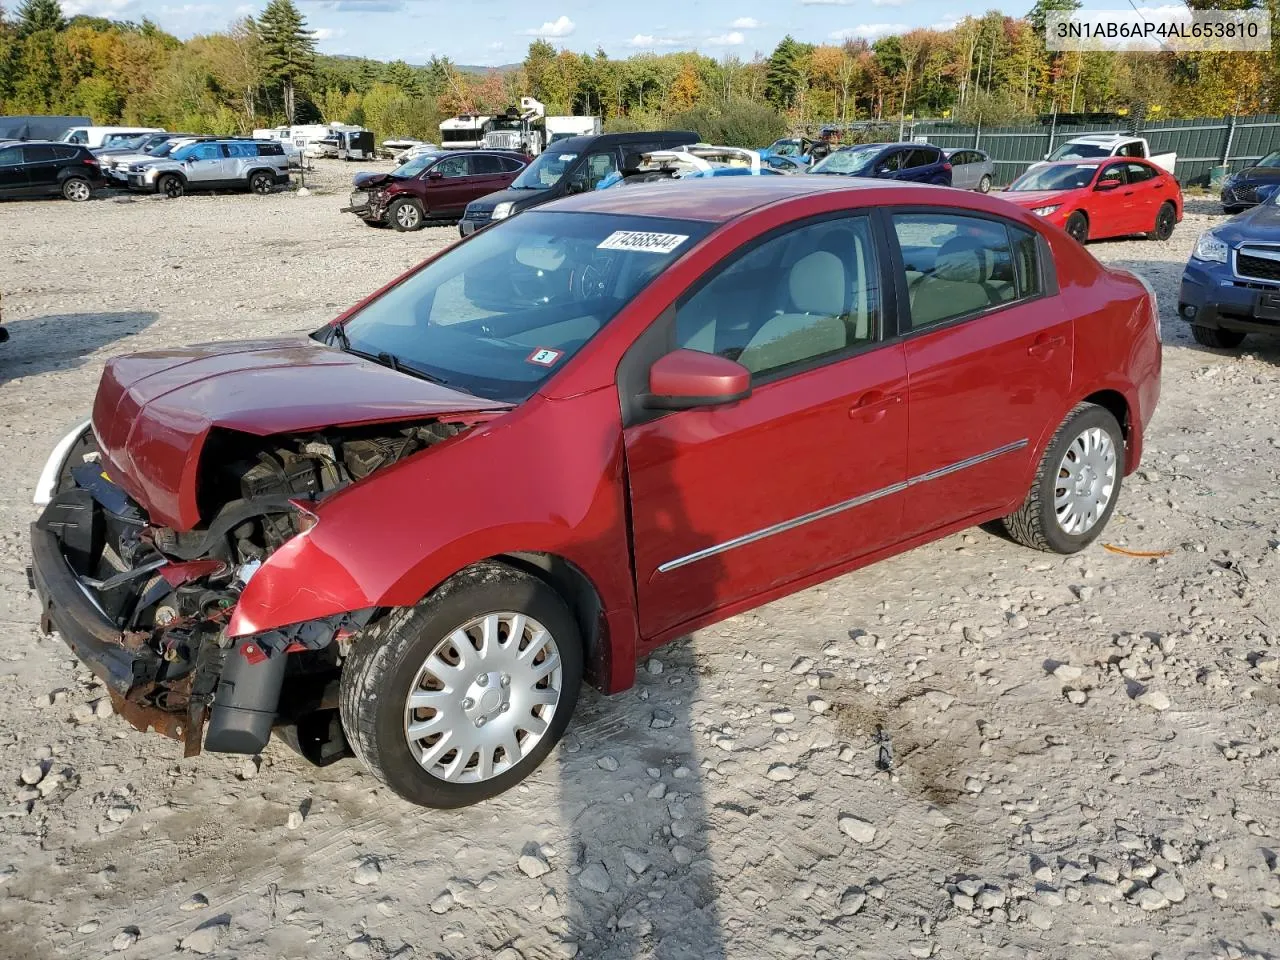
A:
{"points": [[1200, 144]]}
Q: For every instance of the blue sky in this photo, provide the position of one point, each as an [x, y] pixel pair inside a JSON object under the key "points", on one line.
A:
{"points": [[499, 31]]}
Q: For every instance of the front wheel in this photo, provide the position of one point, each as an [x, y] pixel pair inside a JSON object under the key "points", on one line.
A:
{"points": [[171, 186], [460, 698], [262, 183], [1078, 227], [1076, 486], [1216, 338], [405, 215], [1166, 219], [76, 189], [984, 185]]}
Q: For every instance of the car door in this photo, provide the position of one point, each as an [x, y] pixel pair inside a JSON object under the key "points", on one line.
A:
{"points": [[205, 165], [1147, 191], [988, 351], [730, 502], [488, 175], [890, 166], [920, 166], [1111, 208], [966, 169], [13, 174], [447, 186], [41, 166]]}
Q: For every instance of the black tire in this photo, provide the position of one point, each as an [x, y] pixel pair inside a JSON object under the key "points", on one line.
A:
{"points": [[1078, 227], [1166, 220], [984, 185], [406, 215], [1216, 338], [171, 186], [384, 663], [77, 189], [1035, 524], [261, 182]]}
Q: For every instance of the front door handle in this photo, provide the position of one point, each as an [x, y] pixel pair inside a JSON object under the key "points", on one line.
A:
{"points": [[874, 404], [1127, 193], [1045, 345]]}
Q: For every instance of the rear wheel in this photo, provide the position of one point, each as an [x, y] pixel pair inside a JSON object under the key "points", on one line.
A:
{"points": [[405, 215], [461, 697], [1219, 339], [1076, 485], [76, 189], [171, 186], [1078, 227], [261, 182], [984, 185], [1166, 220]]}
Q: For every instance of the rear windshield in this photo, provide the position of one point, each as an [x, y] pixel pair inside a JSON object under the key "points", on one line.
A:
{"points": [[1063, 177], [497, 315], [1079, 151]]}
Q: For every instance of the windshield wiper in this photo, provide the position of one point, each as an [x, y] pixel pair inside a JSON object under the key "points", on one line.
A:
{"points": [[399, 366], [340, 335]]}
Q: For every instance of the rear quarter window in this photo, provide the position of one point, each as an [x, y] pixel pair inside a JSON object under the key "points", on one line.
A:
{"points": [[270, 150]]}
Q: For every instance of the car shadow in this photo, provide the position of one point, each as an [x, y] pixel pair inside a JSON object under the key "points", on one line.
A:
{"points": [[643, 883], [62, 341]]}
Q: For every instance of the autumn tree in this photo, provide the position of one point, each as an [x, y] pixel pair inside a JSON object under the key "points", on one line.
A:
{"points": [[288, 51]]}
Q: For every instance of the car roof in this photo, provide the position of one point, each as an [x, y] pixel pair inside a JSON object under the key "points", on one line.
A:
{"points": [[1101, 138], [585, 141], [721, 199], [1089, 161]]}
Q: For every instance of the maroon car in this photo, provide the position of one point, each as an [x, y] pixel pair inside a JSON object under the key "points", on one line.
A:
{"points": [[432, 186]]}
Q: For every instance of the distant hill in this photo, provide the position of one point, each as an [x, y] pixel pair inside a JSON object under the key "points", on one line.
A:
{"points": [[460, 67]]}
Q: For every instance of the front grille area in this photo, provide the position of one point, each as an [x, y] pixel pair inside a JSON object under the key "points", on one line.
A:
{"points": [[478, 216], [1263, 268]]}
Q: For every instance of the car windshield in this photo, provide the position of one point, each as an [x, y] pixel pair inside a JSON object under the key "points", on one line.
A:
{"points": [[852, 161], [164, 149], [1065, 177], [501, 313], [184, 153], [415, 165], [121, 142], [545, 172], [1270, 160], [785, 148], [1078, 151]]}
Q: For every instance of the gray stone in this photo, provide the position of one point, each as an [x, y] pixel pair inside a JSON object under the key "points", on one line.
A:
{"points": [[1168, 886], [1068, 672], [851, 900], [1155, 699], [635, 862], [532, 866], [856, 829], [661, 720], [367, 873], [1149, 899], [442, 903], [595, 878], [781, 772], [989, 898], [197, 901], [124, 940], [607, 763], [205, 939], [32, 775]]}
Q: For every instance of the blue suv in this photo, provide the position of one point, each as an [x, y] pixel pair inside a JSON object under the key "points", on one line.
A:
{"points": [[913, 162]]}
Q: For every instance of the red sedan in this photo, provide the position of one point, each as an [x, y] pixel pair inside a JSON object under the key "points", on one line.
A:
{"points": [[1093, 199], [568, 440]]}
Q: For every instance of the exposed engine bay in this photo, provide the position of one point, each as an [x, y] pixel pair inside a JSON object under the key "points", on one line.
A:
{"points": [[169, 594]]}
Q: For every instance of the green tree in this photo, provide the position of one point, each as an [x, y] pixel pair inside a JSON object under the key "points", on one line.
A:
{"points": [[1039, 14], [36, 15], [787, 74], [402, 75], [288, 51]]}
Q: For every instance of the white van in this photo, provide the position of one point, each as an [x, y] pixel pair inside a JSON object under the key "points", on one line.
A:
{"points": [[92, 137]]}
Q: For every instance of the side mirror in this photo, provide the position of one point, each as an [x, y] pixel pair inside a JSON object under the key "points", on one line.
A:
{"points": [[435, 175], [684, 379], [1107, 184]]}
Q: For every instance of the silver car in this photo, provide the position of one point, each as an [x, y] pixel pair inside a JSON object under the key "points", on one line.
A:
{"points": [[971, 169], [256, 165]]}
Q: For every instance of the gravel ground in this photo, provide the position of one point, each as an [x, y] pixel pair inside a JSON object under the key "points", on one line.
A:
{"points": [[1082, 756]]}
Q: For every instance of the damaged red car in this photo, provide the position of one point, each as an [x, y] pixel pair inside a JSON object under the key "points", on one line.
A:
{"points": [[568, 440]]}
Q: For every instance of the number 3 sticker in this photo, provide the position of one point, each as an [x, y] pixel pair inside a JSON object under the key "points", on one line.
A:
{"points": [[544, 357]]}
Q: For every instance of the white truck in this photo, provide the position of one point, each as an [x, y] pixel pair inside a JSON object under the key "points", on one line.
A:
{"points": [[1095, 145], [562, 128], [526, 128]]}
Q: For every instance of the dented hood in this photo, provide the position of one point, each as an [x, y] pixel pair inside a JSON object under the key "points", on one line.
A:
{"points": [[153, 411]]}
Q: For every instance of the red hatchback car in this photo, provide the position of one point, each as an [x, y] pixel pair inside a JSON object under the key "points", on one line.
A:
{"points": [[1095, 199], [569, 439]]}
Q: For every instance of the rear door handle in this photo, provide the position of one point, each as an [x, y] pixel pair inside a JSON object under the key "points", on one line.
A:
{"points": [[1045, 345], [1127, 193], [874, 404]]}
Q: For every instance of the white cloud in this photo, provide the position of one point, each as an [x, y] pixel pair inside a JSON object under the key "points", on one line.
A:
{"points": [[733, 39], [868, 31], [562, 26], [497, 45], [327, 33], [646, 41], [887, 3], [95, 8], [745, 23]]}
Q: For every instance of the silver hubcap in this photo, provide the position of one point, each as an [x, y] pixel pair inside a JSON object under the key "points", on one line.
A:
{"points": [[78, 190], [1086, 481], [483, 698], [261, 185], [407, 216]]}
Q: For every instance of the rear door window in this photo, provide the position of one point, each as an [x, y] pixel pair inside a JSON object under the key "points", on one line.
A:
{"points": [[66, 153], [1138, 172], [10, 156], [487, 165], [510, 164], [241, 150], [956, 266], [39, 154], [922, 158]]}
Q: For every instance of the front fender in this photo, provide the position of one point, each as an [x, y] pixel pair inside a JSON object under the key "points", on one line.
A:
{"points": [[546, 478]]}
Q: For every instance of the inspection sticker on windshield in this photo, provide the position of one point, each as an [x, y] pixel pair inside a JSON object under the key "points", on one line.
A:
{"points": [[544, 357], [642, 241]]}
